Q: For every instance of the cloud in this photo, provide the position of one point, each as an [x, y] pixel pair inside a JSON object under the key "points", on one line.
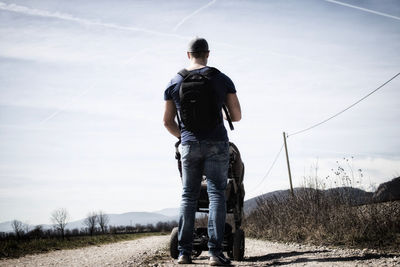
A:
{"points": [[46, 51], [63, 16]]}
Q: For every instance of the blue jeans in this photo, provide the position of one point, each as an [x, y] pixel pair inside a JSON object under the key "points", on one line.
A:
{"points": [[210, 158]]}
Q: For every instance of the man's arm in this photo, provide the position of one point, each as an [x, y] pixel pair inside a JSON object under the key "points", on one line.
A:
{"points": [[233, 105], [169, 118]]}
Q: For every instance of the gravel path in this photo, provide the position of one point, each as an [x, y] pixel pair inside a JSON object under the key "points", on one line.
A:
{"points": [[151, 251], [125, 253], [265, 253]]}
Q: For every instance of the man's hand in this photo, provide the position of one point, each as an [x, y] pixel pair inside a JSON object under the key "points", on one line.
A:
{"points": [[169, 119]]}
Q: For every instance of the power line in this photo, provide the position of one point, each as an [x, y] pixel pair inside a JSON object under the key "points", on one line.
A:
{"points": [[269, 170], [352, 105]]}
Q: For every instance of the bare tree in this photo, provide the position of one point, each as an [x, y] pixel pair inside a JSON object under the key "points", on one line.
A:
{"points": [[27, 227], [103, 220], [18, 228], [60, 219], [37, 232], [91, 221]]}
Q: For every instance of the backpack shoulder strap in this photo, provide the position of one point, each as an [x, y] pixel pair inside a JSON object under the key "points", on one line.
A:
{"points": [[228, 117], [184, 73], [211, 71]]}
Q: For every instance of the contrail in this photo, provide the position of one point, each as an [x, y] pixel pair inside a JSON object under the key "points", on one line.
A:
{"points": [[193, 14], [67, 17], [364, 9], [64, 107], [63, 16]]}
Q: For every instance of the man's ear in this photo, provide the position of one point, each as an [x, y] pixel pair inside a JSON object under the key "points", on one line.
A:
{"points": [[207, 54], [188, 55]]}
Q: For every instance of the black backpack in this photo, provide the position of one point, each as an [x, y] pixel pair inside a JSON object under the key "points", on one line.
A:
{"points": [[199, 105]]}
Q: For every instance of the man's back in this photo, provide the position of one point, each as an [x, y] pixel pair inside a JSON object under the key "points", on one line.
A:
{"points": [[222, 85]]}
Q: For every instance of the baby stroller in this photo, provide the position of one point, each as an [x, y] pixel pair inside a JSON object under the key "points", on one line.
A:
{"points": [[233, 243]]}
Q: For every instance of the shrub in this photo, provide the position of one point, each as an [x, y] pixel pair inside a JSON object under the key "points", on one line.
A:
{"points": [[339, 216]]}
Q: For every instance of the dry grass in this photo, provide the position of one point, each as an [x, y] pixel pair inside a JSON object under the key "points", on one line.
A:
{"points": [[329, 219]]}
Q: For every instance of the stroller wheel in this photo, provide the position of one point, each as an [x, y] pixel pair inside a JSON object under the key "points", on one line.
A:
{"points": [[230, 254], [196, 253], [238, 245], [173, 244]]}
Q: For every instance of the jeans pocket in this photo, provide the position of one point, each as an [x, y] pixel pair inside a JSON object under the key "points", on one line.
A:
{"points": [[222, 151]]}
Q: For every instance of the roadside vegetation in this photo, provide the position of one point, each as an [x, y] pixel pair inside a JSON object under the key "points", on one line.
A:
{"points": [[24, 241], [342, 215]]}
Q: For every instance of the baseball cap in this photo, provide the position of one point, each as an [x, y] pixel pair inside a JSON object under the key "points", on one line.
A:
{"points": [[198, 45]]}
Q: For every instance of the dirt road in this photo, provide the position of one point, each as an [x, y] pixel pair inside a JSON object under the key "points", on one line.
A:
{"points": [[151, 251]]}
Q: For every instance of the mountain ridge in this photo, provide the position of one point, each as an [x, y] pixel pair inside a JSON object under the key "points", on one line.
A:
{"points": [[127, 218], [171, 214]]}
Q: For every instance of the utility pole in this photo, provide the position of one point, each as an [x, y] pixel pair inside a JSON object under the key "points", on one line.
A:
{"points": [[288, 165]]}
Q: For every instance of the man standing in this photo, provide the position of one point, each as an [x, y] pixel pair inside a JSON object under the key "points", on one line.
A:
{"points": [[205, 146]]}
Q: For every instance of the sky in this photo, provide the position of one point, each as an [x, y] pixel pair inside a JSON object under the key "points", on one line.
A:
{"points": [[82, 82]]}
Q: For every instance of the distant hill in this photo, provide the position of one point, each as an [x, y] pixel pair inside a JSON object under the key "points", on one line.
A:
{"points": [[388, 191], [170, 212], [251, 203], [130, 218], [357, 196]]}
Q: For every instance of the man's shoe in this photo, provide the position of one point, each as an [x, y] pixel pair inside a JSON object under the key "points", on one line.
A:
{"points": [[184, 259], [219, 260]]}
